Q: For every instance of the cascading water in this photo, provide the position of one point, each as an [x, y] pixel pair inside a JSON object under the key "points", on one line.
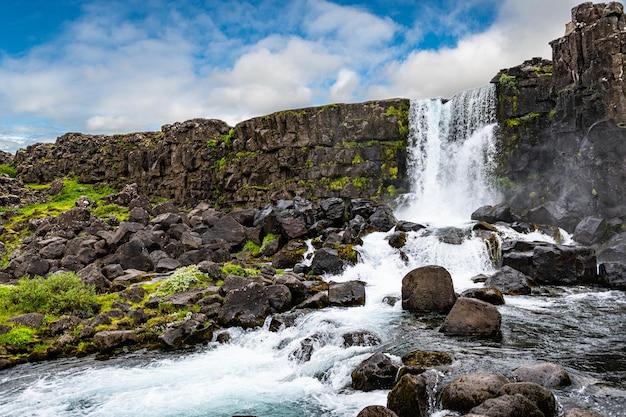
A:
{"points": [[450, 157], [259, 371]]}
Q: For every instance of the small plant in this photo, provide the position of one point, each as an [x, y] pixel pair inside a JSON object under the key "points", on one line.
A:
{"points": [[229, 137], [509, 82], [234, 269], [252, 248], [8, 169], [181, 280], [18, 336], [62, 292]]}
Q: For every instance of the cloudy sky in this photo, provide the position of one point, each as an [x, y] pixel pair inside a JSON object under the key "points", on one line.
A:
{"points": [[116, 66]]}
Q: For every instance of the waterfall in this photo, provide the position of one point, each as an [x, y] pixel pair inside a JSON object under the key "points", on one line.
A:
{"points": [[451, 149]]}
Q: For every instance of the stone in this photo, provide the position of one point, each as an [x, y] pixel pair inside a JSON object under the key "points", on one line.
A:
{"points": [[409, 397], [425, 359], [493, 214], [613, 275], [489, 294], [542, 397], [579, 412], [549, 375], [34, 320], [360, 338], [246, 307], [397, 239], [111, 339], [468, 391], [134, 255], [279, 296], [346, 294], [510, 281], [508, 406], [327, 261], [590, 230], [227, 229], [428, 289], [376, 411], [307, 347], [472, 317], [376, 372]]}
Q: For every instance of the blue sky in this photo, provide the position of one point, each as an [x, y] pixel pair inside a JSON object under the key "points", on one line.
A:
{"points": [[113, 66]]}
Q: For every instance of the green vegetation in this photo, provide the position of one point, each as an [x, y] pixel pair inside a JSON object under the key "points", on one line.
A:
{"points": [[505, 183], [181, 280], [18, 336], [119, 212], [212, 143], [60, 293], [229, 137], [220, 164], [402, 114], [509, 82], [359, 182], [357, 159], [517, 121], [8, 169], [234, 269]]}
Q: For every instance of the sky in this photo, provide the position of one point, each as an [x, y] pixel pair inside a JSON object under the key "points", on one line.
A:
{"points": [[119, 66]]}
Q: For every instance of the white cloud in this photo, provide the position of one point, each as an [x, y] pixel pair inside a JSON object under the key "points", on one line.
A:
{"points": [[522, 30], [344, 88]]}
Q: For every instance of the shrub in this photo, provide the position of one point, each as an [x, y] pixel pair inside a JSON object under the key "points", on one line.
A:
{"points": [[60, 293], [181, 280], [17, 336], [8, 169]]}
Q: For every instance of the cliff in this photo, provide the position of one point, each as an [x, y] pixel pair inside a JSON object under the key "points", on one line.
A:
{"points": [[342, 150], [562, 137]]}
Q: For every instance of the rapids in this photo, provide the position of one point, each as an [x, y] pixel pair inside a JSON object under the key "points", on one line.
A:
{"points": [[582, 329]]}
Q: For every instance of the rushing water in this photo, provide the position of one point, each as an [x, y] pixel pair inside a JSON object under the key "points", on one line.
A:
{"points": [[580, 328]]}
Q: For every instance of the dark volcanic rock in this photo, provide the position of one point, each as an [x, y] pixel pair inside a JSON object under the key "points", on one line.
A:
{"points": [[246, 307], [376, 372], [469, 391], [428, 289], [547, 374], [510, 281], [471, 317], [409, 397]]}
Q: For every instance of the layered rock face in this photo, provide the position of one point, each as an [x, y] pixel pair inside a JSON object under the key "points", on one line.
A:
{"points": [[343, 150], [563, 142]]}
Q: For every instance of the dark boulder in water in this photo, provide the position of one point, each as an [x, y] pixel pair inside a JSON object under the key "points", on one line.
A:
{"points": [[549, 375], [409, 397], [376, 411], [376, 372], [468, 391], [428, 289], [510, 281], [472, 317], [508, 406]]}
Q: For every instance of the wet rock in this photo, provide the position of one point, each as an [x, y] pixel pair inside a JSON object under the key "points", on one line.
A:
{"points": [[510, 281], [579, 412], [590, 230], [279, 297], [508, 406], [291, 254], [187, 332], [409, 397], [491, 295], [327, 261], [428, 289], [64, 324], [468, 391], [613, 250], [308, 345], [613, 275], [549, 375], [406, 226], [542, 397], [298, 290], [397, 240], [346, 294], [362, 338], [333, 210], [426, 359], [376, 372], [376, 411], [246, 307], [493, 214], [316, 301], [112, 339], [382, 219], [471, 317]]}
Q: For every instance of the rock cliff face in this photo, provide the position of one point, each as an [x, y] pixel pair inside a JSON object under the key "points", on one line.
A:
{"points": [[343, 150], [563, 136]]}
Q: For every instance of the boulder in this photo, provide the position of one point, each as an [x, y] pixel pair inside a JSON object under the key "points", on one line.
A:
{"points": [[510, 281], [246, 307], [425, 359], [613, 250], [333, 209], [382, 219], [327, 261], [547, 374], [290, 254], [468, 391], [346, 294], [227, 229], [579, 412], [134, 255], [590, 230], [91, 275], [307, 346], [472, 317], [428, 289], [397, 239], [613, 275], [376, 372], [493, 214], [34, 320], [187, 332], [298, 290], [508, 406], [360, 338], [376, 411], [111, 339], [489, 294], [409, 397], [279, 296], [542, 397]]}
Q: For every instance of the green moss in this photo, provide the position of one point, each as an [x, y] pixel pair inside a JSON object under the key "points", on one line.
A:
{"points": [[252, 248], [8, 169], [505, 183], [402, 115], [308, 164], [360, 182], [357, 159], [119, 212], [229, 137], [18, 336], [220, 164], [212, 143], [509, 82], [338, 184]]}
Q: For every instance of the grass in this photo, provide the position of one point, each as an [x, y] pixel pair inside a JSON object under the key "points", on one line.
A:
{"points": [[8, 169], [60, 293], [181, 280]]}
